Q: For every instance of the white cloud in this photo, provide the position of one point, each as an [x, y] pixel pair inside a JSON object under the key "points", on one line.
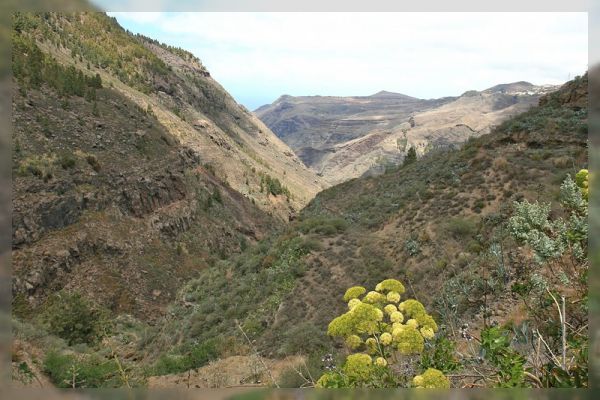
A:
{"points": [[258, 56]]}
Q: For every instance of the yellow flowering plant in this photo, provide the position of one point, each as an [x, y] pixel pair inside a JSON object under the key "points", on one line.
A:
{"points": [[379, 330]]}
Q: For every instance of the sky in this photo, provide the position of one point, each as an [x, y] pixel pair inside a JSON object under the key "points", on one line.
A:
{"points": [[258, 57]]}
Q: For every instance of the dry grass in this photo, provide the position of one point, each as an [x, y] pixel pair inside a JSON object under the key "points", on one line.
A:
{"points": [[234, 371]]}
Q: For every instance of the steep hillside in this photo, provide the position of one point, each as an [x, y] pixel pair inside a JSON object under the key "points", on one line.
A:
{"points": [[133, 169], [345, 137], [192, 107], [435, 224]]}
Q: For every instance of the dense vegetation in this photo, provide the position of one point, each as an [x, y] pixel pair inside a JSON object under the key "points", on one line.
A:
{"points": [[31, 67]]}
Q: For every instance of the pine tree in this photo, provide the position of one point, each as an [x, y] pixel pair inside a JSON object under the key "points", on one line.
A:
{"points": [[411, 156]]}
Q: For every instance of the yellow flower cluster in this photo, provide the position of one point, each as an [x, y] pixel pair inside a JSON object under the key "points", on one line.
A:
{"points": [[381, 361], [353, 303], [412, 323], [393, 297], [358, 366], [385, 338], [426, 321], [427, 333], [354, 292], [390, 285], [408, 340], [390, 309], [396, 316], [362, 318], [374, 327], [371, 324], [418, 316], [412, 307], [582, 180], [371, 345], [374, 297], [433, 379], [353, 341]]}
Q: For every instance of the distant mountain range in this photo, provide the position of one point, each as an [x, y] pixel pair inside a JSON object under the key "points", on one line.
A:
{"points": [[342, 138]]}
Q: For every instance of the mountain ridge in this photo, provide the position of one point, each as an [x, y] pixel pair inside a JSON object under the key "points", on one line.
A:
{"points": [[387, 124]]}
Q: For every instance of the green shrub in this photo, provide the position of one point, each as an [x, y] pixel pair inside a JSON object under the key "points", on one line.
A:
{"points": [[309, 244], [75, 319], [216, 195], [495, 342], [39, 166], [440, 354], [204, 352], [412, 247], [170, 364], [273, 186], [411, 156], [461, 227], [323, 225], [93, 161], [188, 358], [67, 161], [301, 375], [81, 370], [304, 338]]}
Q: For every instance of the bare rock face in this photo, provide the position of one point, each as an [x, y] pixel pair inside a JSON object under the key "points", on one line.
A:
{"points": [[148, 195], [341, 138]]}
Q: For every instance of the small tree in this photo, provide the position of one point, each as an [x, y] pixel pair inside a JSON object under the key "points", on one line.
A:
{"points": [[75, 319], [383, 333], [411, 156]]}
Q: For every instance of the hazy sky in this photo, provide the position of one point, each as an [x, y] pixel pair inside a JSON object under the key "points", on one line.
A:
{"points": [[259, 56]]}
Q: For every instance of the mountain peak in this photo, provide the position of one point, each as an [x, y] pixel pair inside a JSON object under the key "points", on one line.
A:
{"points": [[385, 93], [510, 87]]}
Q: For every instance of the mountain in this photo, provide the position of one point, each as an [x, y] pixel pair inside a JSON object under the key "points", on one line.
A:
{"points": [[159, 239], [133, 169], [345, 137], [435, 224]]}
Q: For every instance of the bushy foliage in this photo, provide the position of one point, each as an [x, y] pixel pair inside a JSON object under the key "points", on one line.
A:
{"points": [[461, 227], [380, 329], [440, 353], [75, 319], [260, 279], [495, 343], [322, 225], [411, 156], [411, 245], [81, 370], [273, 186], [552, 238], [40, 166], [188, 357], [559, 245]]}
